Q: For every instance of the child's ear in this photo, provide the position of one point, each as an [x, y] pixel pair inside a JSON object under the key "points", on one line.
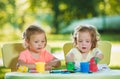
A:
{"points": [[75, 40], [26, 43]]}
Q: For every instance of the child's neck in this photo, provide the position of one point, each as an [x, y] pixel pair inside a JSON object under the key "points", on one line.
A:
{"points": [[35, 54], [84, 55]]}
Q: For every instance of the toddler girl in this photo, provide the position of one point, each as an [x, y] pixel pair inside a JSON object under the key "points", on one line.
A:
{"points": [[85, 45], [35, 42]]}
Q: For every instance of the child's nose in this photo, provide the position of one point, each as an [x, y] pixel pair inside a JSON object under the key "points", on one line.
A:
{"points": [[40, 44], [83, 43]]}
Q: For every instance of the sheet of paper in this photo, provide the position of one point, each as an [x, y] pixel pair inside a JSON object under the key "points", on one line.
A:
{"points": [[103, 67]]}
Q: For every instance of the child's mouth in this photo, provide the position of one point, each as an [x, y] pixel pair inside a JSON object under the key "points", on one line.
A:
{"points": [[83, 47], [38, 48]]}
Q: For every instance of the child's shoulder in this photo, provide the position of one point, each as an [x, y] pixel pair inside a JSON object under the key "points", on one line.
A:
{"points": [[74, 49], [96, 49], [24, 51]]}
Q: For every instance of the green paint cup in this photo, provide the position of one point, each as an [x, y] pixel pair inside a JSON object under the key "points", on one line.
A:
{"points": [[70, 66]]}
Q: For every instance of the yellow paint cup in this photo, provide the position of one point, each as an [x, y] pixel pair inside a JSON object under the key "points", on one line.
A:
{"points": [[40, 66]]}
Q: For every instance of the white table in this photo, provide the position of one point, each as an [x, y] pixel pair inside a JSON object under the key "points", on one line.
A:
{"points": [[111, 74]]}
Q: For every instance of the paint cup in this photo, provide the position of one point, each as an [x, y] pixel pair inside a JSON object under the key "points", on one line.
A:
{"points": [[70, 66], [84, 67], [40, 66], [93, 67]]}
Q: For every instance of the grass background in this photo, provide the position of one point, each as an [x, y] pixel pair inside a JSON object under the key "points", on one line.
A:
{"points": [[56, 43]]}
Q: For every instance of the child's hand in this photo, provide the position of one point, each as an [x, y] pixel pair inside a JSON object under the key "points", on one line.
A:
{"points": [[22, 69], [48, 67], [94, 60], [70, 57]]}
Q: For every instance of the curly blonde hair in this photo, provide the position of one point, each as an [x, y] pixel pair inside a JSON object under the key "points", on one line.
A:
{"points": [[95, 36]]}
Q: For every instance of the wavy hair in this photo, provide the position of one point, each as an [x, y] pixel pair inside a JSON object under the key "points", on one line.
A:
{"points": [[31, 30], [95, 36]]}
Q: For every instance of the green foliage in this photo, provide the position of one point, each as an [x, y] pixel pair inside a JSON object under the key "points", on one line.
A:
{"points": [[58, 13], [3, 70], [113, 37], [9, 37], [59, 37], [55, 49]]}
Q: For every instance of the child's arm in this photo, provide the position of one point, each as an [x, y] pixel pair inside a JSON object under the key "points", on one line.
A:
{"points": [[22, 63], [53, 63], [48, 66], [70, 57], [99, 55]]}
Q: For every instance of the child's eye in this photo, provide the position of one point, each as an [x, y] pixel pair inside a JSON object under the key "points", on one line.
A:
{"points": [[42, 41], [36, 41], [80, 41], [87, 41]]}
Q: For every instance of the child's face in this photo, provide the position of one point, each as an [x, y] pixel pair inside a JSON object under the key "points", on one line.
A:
{"points": [[37, 42], [84, 42]]}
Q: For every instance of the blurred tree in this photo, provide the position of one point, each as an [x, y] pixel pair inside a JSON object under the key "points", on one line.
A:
{"points": [[9, 14], [56, 13], [2, 13], [67, 10]]}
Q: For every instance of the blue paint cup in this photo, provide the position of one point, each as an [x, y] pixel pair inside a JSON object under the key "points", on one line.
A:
{"points": [[84, 67]]}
